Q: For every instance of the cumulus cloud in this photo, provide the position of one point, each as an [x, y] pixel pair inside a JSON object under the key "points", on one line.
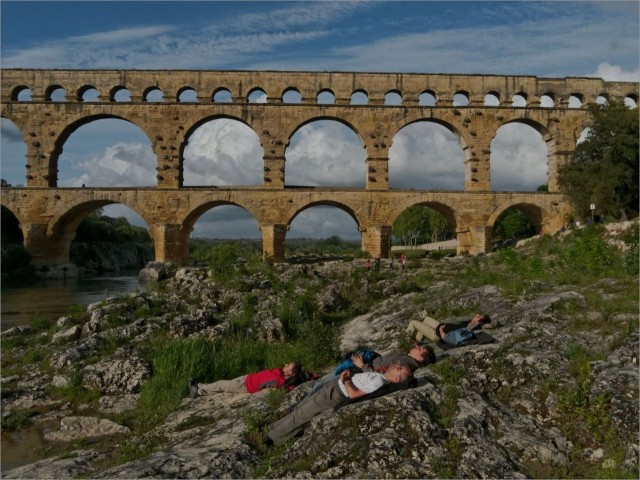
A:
{"points": [[614, 73], [325, 153], [425, 155], [518, 159], [122, 164], [223, 152]]}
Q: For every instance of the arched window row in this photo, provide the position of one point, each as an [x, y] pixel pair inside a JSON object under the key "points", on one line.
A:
{"points": [[293, 87]]}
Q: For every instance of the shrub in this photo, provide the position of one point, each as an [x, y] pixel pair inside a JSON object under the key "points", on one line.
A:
{"points": [[222, 260]]}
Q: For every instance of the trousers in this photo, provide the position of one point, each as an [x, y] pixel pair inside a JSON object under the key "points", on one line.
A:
{"points": [[290, 425], [428, 328], [237, 385]]}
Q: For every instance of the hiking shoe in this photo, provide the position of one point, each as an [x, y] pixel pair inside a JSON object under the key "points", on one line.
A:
{"points": [[193, 389]]}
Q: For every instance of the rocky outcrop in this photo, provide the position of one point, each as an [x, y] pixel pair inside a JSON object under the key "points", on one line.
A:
{"points": [[499, 410]]}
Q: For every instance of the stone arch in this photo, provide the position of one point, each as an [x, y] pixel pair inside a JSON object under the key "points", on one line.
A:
{"points": [[326, 92], [255, 93], [13, 227], [84, 89], [14, 146], [15, 93], [70, 215], [80, 121], [117, 89], [426, 169], [51, 89], [393, 97], [545, 135], [427, 98], [631, 97], [548, 100], [324, 203], [187, 223], [536, 213], [461, 98], [222, 92], [359, 97], [186, 90], [190, 131], [447, 211], [62, 227], [492, 98], [520, 99], [291, 92], [350, 127], [150, 91]]}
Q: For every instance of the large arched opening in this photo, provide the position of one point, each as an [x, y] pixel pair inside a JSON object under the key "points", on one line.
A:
{"points": [[218, 223], [106, 152], [322, 229], [325, 153], [515, 223], [425, 226], [518, 159], [426, 155], [13, 151], [223, 151], [101, 236]]}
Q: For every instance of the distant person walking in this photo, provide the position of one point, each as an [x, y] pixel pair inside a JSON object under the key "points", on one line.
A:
{"points": [[403, 261]]}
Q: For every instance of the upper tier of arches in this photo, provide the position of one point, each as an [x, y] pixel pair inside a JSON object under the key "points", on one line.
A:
{"points": [[108, 86]]}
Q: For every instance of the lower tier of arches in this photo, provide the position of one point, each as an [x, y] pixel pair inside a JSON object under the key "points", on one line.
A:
{"points": [[48, 217]]}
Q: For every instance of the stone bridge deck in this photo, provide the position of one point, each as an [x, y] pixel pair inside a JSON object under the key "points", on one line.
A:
{"points": [[49, 217]]}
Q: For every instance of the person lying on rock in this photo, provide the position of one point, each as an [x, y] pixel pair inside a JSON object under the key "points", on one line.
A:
{"points": [[345, 388], [365, 360], [288, 377], [449, 335]]}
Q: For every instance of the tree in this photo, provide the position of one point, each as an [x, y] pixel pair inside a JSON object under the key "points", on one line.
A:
{"points": [[604, 170], [513, 224], [420, 224]]}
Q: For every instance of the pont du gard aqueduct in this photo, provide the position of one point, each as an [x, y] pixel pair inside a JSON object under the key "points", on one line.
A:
{"points": [[48, 215]]}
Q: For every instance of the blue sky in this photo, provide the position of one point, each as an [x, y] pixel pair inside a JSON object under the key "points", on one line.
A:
{"points": [[553, 39]]}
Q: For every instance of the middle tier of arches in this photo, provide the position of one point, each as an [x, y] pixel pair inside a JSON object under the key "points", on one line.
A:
{"points": [[170, 128]]}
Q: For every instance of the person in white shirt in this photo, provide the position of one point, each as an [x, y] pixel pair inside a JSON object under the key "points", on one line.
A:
{"points": [[347, 387]]}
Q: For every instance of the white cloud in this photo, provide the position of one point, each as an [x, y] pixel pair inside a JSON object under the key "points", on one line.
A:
{"points": [[121, 35], [325, 153], [122, 164], [425, 155], [518, 159], [614, 73], [223, 152]]}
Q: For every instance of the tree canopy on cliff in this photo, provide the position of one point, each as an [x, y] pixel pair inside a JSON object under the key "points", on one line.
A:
{"points": [[604, 170]]}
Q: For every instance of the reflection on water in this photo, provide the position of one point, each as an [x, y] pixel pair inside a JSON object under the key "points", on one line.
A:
{"points": [[26, 445], [52, 298]]}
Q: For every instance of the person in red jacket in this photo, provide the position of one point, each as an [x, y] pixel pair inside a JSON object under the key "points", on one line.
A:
{"points": [[287, 376]]}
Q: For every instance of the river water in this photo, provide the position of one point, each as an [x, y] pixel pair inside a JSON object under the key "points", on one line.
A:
{"points": [[51, 300]]}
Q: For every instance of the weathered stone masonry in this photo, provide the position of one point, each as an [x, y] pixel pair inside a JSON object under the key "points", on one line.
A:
{"points": [[49, 215]]}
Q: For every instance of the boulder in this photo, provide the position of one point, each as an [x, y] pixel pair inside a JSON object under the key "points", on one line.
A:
{"points": [[72, 428]]}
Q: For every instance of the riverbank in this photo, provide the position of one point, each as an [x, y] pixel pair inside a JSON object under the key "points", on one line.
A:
{"points": [[555, 396]]}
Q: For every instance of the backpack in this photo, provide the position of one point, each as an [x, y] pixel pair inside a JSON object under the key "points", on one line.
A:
{"points": [[458, 336], [367, 356]]}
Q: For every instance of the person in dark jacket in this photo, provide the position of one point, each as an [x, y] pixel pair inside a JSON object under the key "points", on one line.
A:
{"points": [[439, 332], [418, 356], [344, 388]]}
